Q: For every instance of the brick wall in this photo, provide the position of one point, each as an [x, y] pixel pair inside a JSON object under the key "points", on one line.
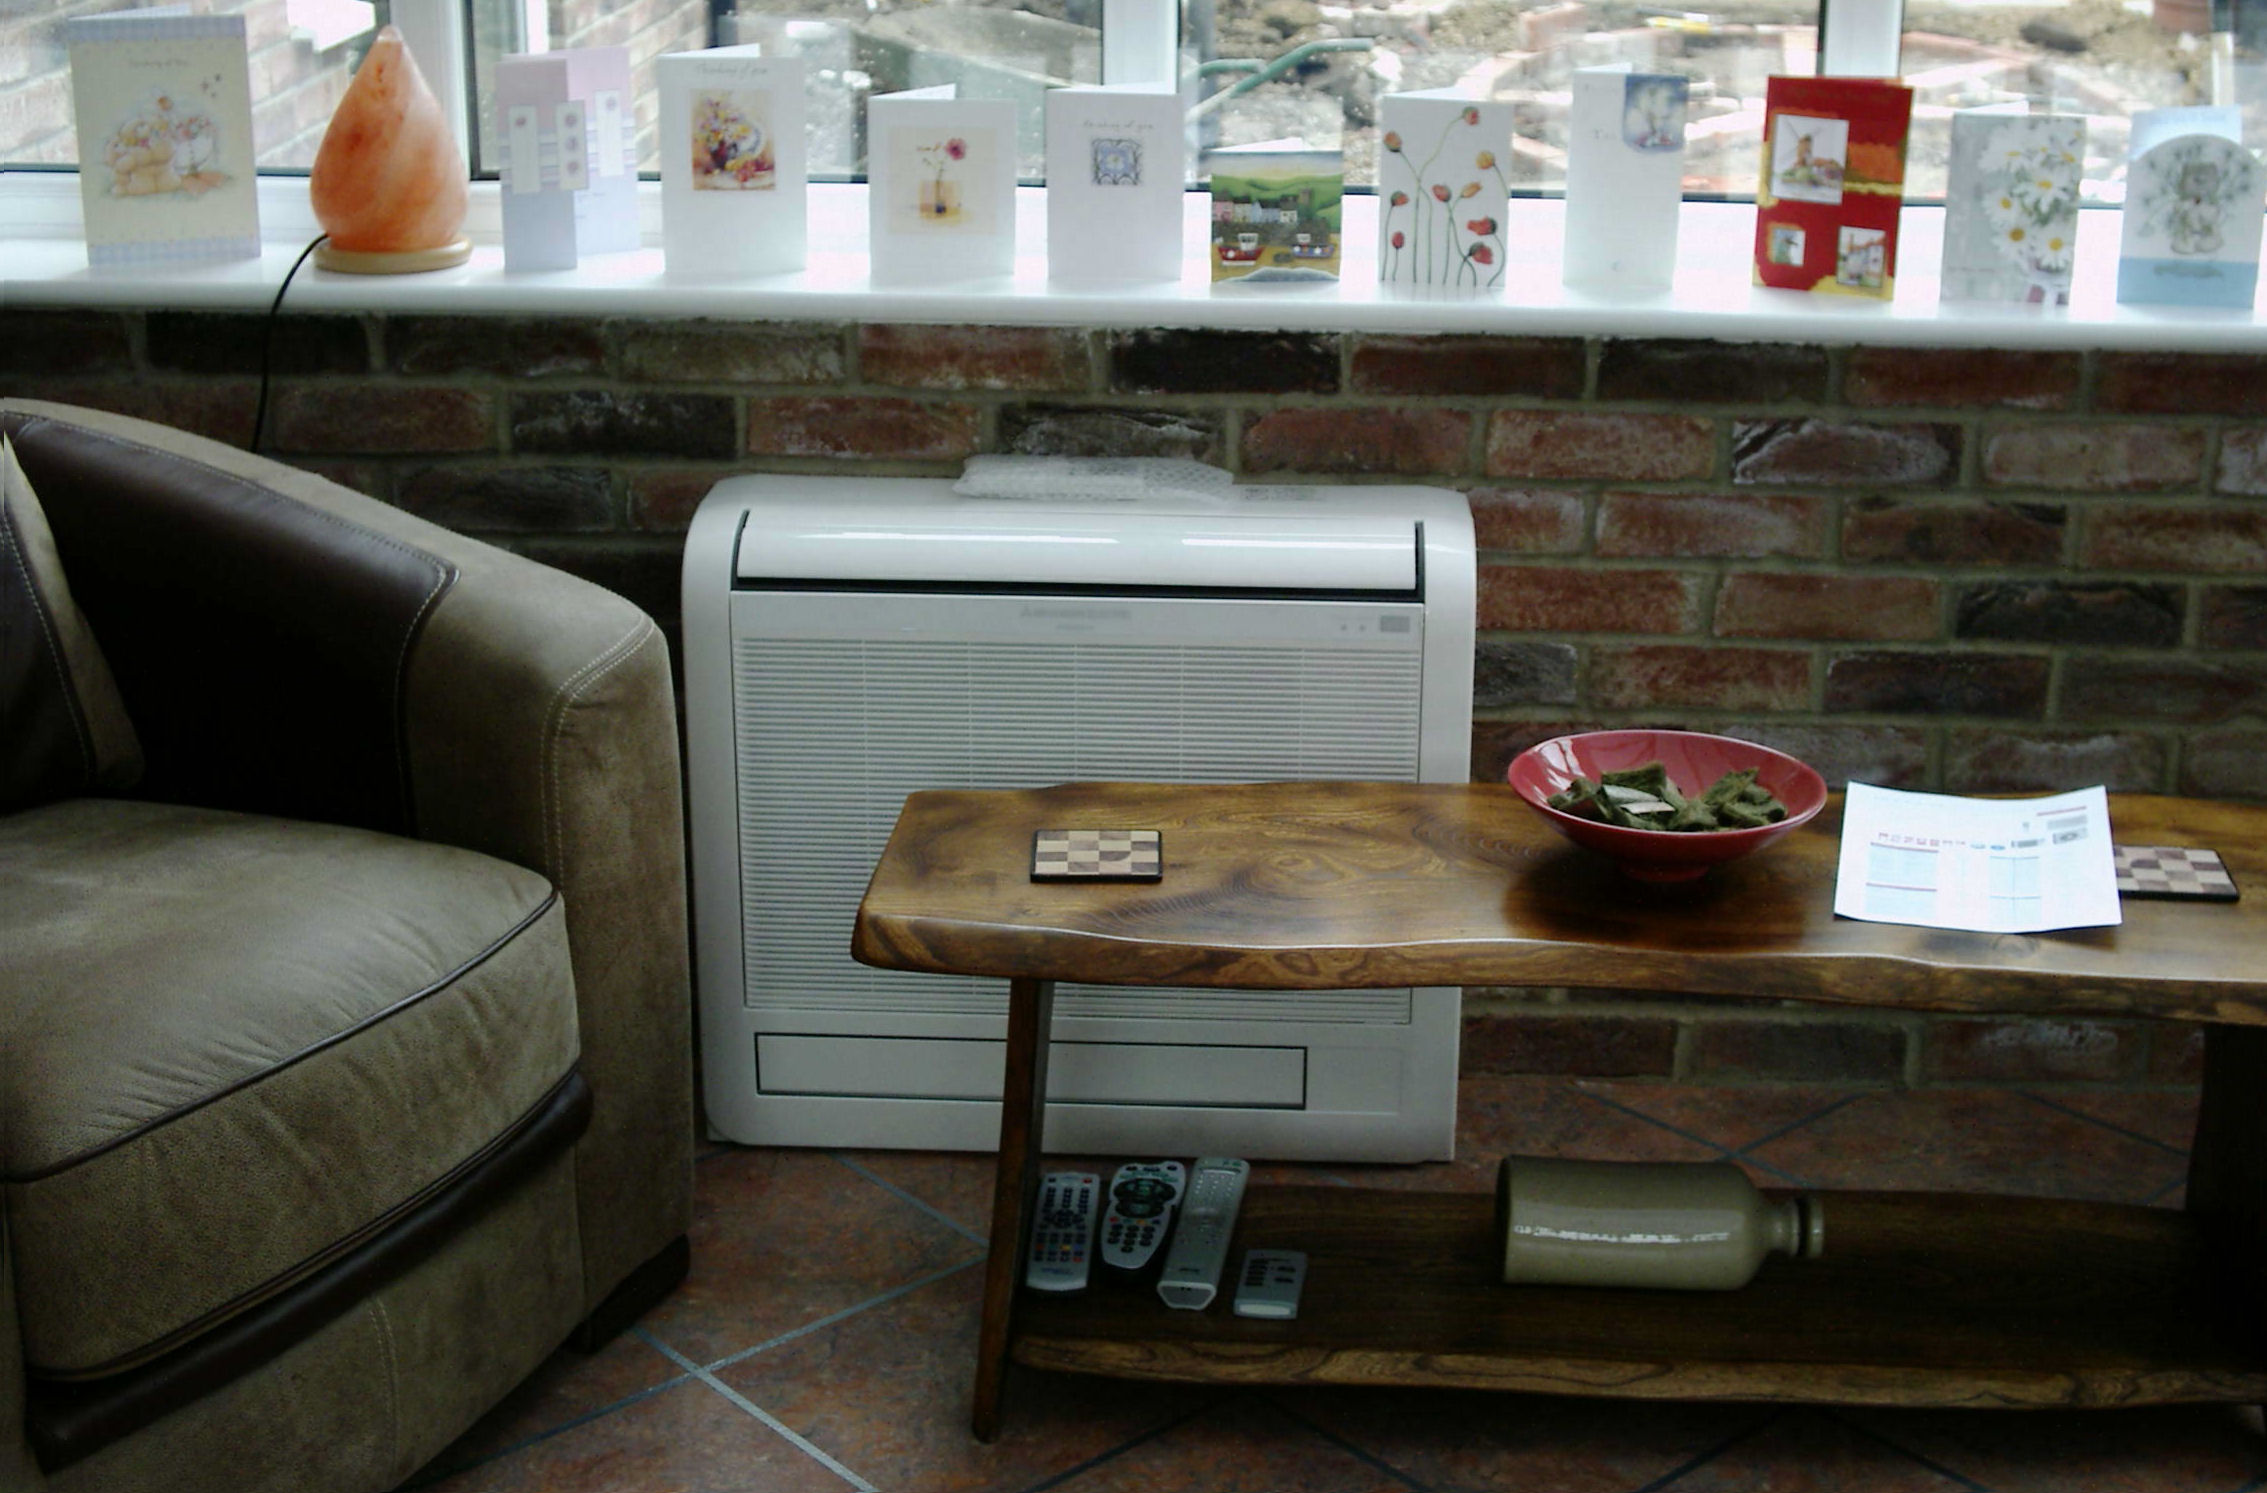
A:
{"points": [[1937, 568]]}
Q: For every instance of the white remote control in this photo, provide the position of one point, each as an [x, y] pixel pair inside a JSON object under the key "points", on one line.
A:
{"points": [[1140, 1213], [1269, 1286], [1200, 1244], [1062, 1235]]}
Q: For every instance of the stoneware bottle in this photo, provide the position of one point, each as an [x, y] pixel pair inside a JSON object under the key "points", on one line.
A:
{"points": [[1674, 1225]]}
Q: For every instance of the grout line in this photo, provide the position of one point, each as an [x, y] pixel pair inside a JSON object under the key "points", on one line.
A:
{"points": [[1725, 1152], [1810, 1119], [830, 1319], [1349, 1447], [2156, 1199], [903, 1196], [1639, 1114], [1058, 1479], [751, 1407], [444, 1474], [1902, 1450], [2079, 1114], [1696, 1463]]}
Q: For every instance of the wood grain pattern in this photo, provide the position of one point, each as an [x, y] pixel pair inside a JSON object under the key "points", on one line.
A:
{"points": [[1015, 1192], [1920, 1299], [1344, 885]]}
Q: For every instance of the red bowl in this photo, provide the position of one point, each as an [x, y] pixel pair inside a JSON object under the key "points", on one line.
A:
{"points": [[1694, 760]]}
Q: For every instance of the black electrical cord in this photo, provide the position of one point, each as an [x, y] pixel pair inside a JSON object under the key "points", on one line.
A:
{"points": [[268, 340]]}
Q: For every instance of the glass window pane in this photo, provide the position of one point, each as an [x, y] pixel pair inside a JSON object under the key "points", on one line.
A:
{"points": [[303, 52]]}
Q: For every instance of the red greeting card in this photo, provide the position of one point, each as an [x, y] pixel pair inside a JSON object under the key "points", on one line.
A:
{"points": [[1833, 183]]}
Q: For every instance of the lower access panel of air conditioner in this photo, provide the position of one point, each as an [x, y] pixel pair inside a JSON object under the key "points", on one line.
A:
{"points": [[1077, 1072]]}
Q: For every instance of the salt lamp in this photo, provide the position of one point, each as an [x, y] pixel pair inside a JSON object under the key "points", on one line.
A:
{"points": [[388, 185]]}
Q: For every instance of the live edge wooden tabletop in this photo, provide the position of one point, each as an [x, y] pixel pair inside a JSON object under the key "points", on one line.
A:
{"points": [[1343, 885]]}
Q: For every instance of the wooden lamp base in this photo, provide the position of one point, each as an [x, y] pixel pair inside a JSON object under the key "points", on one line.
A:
{"points": [[392, 262]]}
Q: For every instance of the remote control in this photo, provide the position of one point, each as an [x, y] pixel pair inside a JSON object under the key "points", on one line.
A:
{"points": [[1269, 1286], [1062, 1235], [1200, 1244], [1140, 1213]]}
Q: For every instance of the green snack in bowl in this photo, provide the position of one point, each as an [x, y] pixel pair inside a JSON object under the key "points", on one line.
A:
{"points": [[1646, 798]]}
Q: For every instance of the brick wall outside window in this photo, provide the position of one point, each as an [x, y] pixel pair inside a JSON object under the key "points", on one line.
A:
{"points": [[1948, 569]]}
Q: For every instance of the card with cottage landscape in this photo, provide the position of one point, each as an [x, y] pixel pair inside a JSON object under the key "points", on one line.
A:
{"points": [[940, 173], [2011, 207], [1276, 213], [734, 177], [1826, 210], [1442, 190]]}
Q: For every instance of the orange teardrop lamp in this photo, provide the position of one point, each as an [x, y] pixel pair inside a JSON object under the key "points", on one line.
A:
{"points": [[389, 185]]}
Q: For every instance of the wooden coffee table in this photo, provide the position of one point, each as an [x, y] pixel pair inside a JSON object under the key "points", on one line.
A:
{"points": [[1920, 1299]]}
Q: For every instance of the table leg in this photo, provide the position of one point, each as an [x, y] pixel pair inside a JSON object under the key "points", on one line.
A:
{"points": [[2227, 1166], [1015, 1189]]}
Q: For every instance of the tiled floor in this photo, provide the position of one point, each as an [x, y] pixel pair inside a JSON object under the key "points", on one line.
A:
{"points": [[826, 1335]]}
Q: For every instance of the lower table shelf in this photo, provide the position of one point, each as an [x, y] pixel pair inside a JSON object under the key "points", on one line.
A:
{"points": [[1920, 1299]]}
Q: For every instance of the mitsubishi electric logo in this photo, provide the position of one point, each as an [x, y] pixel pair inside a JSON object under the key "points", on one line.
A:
{"points": [[1075, 614]]}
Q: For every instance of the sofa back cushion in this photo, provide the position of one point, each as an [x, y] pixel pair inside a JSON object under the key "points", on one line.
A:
{"points": [[63, 728]]}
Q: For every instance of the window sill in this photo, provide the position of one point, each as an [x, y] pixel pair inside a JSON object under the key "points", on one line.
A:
{"points": [[1713, 296]]}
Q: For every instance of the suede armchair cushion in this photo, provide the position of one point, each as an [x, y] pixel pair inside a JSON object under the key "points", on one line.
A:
{"points": [[255, 1042]]}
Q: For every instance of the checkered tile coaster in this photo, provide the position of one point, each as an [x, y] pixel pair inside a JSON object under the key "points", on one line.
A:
{"points": [[1097, 855], [2173, 871]]}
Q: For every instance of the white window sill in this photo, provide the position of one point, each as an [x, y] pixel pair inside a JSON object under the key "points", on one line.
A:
{"points": [[1714, 297]]}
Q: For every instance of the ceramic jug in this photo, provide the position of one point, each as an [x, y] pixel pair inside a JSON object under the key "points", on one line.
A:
{"points": [[1682, 1226]]}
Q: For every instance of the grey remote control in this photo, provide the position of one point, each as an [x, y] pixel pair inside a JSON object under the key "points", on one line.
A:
{"points": [[1062, 1233], [1200, 1243], [1270, 1282], [1139, 1213]]}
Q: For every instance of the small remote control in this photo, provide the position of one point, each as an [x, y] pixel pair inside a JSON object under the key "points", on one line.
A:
{"points": [[1200, 1244], [1140, 1213], [1062, 1235], [1269, 1286]]}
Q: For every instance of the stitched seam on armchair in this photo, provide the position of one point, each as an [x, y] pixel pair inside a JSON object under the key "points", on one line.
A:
{"points": [[63, 678], [444, 573], [550, 900], [563, 700]]}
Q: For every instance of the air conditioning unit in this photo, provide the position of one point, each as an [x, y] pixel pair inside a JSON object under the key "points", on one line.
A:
{"points": [[849, 641]]}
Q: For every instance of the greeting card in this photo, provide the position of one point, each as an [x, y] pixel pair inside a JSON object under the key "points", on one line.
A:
{"points": [[1833, 184], [2011, 206], [734, 173], [570, 181], [940, 174], [1625, 155], [1114, 176], [163, 104], [1276, 215], [1441, 189], [2192, 211]]}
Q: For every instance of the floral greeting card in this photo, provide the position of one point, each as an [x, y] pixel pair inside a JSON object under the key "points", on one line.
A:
{"points": [[163, 103], [1442, 190], [940, 175], [1276, 213], [570, 167], [2011, 207], [1833, 184], [733, 168], [1624, 177], [1114, 178], [2192, 211]]}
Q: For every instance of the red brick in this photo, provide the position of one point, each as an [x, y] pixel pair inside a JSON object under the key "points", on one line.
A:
{"points": [[1536, 367], [662, 502], [1527, 521], [2176, 1052], [1890, 756], [1710, 524], [1696, 369], [1962, 377], [1843, 453], [1807, 1051], [2031, 1049], [1655, 676], [1185, 361], [873, 429], [382, 419], [2095, 457], [2243, 462], [2178, 689], [1998, 760], [514, 347], [1836, 608], [1088, 430], [219, 408], [586, 422], [1541, 599], [1592, 1046], [62, 342], [2149, 383], [1896, 682], [1952, 533], [2111, 613], [1495, 743], [2234, 617], [1405, 442], [1510, 671], [1617, 448], [2203, 540], [2227, 763], [484, 497], [729, 352], [960, 357]]}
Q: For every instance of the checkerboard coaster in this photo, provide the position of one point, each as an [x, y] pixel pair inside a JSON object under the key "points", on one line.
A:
{"points": [[2173, 871], [1097, 855]]}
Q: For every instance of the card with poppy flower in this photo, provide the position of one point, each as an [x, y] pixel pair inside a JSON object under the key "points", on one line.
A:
{"points": [[1442, 190], [1826, 210]]}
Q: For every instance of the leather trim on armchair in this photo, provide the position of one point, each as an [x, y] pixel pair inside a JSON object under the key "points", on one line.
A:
{"points": [[67, 1422]]}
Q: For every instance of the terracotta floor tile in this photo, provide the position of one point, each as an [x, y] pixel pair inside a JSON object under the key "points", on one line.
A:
{"points": [[958, 1184], [568, 1385], [685, 1437], [887, 1393], [1810, 1451], [2176, 1449], [1241, 1445], [783, 1238], [1970, 1140]]}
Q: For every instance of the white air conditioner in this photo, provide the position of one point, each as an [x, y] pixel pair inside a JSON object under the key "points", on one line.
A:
{"points": [[851, 640]]}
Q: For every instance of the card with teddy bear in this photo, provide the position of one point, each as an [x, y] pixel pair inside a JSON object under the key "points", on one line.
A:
{"points": [[163, 104]]}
